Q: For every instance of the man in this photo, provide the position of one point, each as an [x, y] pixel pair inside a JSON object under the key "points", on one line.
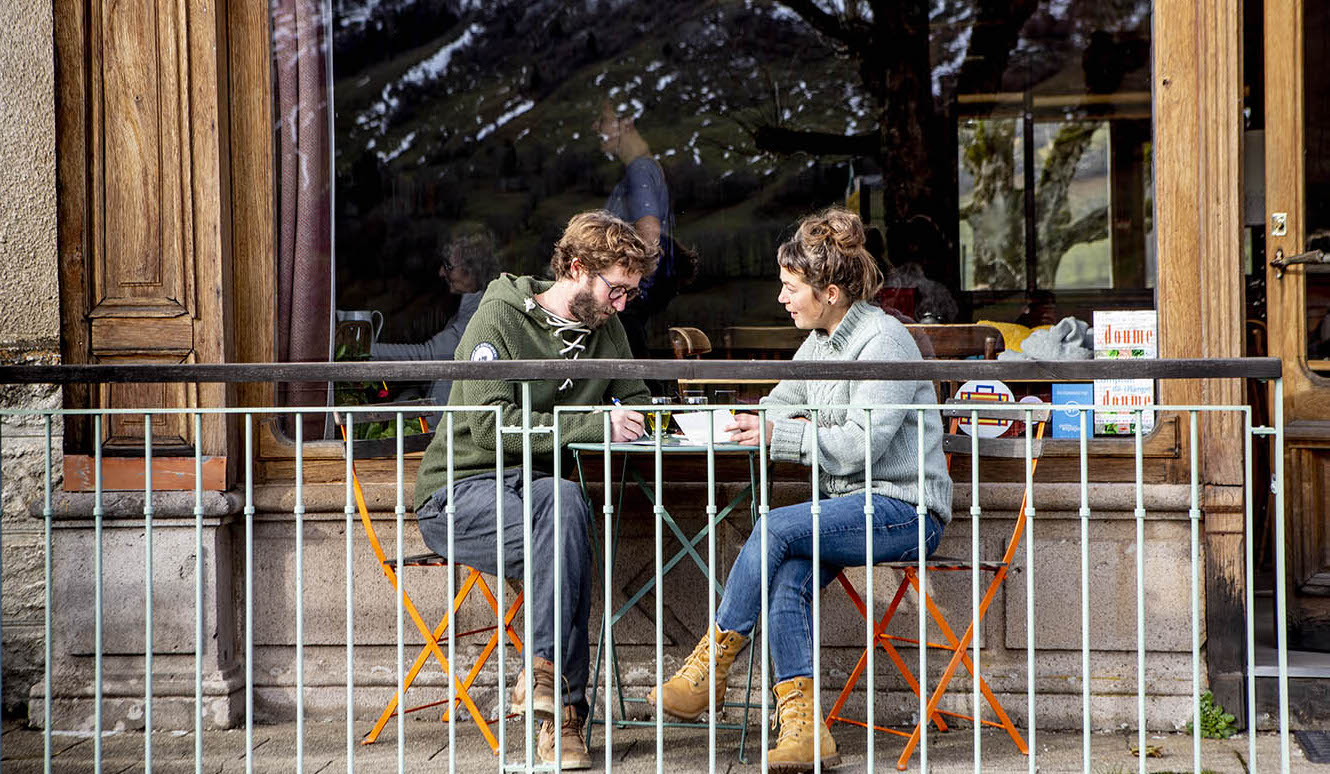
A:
{"points": [[642, 198], [597, 265]]}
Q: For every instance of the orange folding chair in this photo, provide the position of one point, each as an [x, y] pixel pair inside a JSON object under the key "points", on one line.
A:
{"points": [[952, 443], [438, 635]]}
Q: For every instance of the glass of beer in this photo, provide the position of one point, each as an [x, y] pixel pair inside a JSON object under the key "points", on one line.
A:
{"points": [[662, 413]]}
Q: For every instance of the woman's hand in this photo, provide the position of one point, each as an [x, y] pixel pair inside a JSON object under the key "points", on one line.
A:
{"points": [[746, 429]]}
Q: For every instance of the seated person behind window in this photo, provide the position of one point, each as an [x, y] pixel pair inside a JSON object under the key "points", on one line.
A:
{"points": [[911, 247], [468, 264], [827, 282], [890, 299]]}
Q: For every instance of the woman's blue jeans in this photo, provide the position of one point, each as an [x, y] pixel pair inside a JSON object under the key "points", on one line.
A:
{"points": [[790, 564]]}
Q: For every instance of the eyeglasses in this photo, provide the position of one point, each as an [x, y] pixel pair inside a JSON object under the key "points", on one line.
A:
{"points": [[619, 291]]}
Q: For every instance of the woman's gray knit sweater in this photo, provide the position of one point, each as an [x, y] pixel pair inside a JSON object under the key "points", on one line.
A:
{"points": [[866, 333]]}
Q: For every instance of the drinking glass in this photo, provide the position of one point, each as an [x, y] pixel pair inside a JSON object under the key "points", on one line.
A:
{"points": [[659, 400], [695, 399]]}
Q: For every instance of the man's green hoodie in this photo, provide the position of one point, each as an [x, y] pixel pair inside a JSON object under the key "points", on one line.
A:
{"points": [[510, 325]]}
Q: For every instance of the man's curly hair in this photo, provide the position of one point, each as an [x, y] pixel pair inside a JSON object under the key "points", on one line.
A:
{"points": [[600, 240]]}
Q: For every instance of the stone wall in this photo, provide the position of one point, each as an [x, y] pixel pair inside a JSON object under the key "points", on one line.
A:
{"points": [[29, 321], [325, 538], [1003, 634]]}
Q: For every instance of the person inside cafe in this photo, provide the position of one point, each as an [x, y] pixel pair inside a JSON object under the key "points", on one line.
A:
{"points": [[642, 198], [827, 282], [597, 265], [914, 249], [467, 263]]}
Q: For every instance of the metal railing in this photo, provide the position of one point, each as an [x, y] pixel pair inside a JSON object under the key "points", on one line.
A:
{"points": [[524, 756]]}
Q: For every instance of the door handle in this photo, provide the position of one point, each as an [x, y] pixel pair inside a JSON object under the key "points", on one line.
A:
{"points": [[1280, 262]]}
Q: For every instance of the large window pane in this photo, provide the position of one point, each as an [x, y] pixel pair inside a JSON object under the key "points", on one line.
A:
{"points": [[991, 180], [1000, 150]]}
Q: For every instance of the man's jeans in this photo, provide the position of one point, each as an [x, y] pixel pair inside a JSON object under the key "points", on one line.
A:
{"points": [[475, 544], [790, 564]]}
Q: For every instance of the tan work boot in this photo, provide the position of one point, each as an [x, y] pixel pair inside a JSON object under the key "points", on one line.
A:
{"points": [[542, 689], [799, 720], [685, 694], [575, 755]]}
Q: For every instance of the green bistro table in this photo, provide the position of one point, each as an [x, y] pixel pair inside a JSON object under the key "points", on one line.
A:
{"points": [[671, 446]]}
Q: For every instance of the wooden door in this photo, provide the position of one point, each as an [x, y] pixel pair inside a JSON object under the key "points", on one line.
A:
{"points": [[1297, 203], [143, 218]]}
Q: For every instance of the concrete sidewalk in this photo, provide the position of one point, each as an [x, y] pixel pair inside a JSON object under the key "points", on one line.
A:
{"points": [[426, 749]]}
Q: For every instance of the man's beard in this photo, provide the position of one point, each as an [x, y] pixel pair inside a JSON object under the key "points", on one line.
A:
{"points": [[588, 311]]}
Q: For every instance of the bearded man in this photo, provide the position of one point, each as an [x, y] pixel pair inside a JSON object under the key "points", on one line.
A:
{"points": [[597, 265]]}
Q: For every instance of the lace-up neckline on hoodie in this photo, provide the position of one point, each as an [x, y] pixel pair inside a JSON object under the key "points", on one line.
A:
{"points": [[570, 332]]}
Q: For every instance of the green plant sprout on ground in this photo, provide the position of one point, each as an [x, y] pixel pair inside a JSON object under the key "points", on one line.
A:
{"points": [[1215, 722]]}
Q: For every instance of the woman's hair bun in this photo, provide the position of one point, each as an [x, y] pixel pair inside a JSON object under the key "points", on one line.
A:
{"points": [[829, 249], [833, 229]]}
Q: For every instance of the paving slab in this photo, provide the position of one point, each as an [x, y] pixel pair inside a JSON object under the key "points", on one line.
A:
{"points": [[324, 751]]}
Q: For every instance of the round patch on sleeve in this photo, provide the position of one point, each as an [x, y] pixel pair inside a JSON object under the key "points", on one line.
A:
{"points": [[485, 351]]}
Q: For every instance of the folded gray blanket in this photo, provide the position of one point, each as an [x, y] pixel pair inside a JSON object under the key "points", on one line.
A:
{"points": [[1064, 341]]}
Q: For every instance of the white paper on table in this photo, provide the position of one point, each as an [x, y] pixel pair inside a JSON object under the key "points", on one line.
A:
{"points": [[695, 425]]}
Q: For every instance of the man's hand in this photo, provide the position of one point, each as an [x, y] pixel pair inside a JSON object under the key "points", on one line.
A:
{"points": [[625, 426], [648, 227], [745, 429]]}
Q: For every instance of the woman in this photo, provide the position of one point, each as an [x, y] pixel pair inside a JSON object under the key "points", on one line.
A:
{"points": [[827, 279], [467, 264]]}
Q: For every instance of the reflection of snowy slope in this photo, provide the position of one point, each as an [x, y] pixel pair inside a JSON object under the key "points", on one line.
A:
{"points": [[783, 14], [376, 117], [356, 14], [401, 148], [505, 118], [436, 65], [705, 66]]}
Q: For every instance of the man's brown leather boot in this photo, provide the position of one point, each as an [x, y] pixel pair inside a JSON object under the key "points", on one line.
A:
{"points": [[575, 755], [542, 689]]}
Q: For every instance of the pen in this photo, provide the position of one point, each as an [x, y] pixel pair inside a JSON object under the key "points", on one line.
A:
{"points": [[615, 401]]}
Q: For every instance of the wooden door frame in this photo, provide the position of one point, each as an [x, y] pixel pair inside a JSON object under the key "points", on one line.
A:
{"points": [[1306, 394], [1285, 192], [1197, 86]]}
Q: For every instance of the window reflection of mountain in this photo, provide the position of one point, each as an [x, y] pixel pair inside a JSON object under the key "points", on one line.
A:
{"points": [[727, 68]]}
